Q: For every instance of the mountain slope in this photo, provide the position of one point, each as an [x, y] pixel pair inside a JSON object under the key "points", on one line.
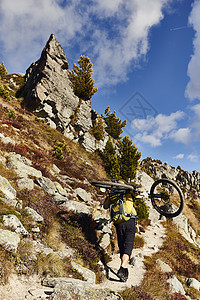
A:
{"points": [[49, 214]]}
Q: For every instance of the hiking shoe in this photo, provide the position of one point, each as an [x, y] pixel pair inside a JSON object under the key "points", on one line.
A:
{"points": [[123, 274]]}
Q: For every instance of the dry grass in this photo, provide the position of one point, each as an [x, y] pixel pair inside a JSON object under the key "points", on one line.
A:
{"points": [[192, 211], [52, 265], [139, 241], [181, 256], [6, 266]]}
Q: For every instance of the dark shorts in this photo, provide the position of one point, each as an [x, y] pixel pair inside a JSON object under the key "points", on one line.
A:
{"points": [[126, 236]]}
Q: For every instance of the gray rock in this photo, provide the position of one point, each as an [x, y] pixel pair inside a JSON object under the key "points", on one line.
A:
{"points": [[35, 229], [165, 268], [9, 240], [6, 139], [185, 229], [22, 166], [13, 222], [11, 202], [77, 207], [143, 179], [87, 274], [34, 214], [7, 189], [47, 88], [105, 241], [25, 183], [70, 288], [175, 285], [137, 260], [48, 93], [83, 195], [192, 282], [52, 187]]}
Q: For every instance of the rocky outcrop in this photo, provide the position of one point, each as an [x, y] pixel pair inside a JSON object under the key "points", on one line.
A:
{"points": [[188, 180], [9, 240], [47, 92], [69, 288]]}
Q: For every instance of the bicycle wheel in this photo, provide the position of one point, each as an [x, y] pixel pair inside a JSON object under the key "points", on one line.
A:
{"points": [[110, 185], [167, 198]]}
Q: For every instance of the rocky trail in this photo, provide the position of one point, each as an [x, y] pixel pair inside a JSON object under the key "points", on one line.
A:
{"points": [[153, 237], [32, 289]]}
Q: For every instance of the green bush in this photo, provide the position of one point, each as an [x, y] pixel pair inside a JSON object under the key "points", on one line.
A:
{"points": [[3, 70], [12, 114], [114, 124], [122, 161], [59, 150], [142, 209], [98, 129], [81, 81], [128, 158], [4, 93]]}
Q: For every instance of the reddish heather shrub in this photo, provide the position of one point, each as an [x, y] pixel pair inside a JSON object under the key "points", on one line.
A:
{"points": [[177, 296], [42, 203]]}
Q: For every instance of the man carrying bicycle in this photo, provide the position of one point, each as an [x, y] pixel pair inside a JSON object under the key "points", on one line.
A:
{"points": [[125, 228]]}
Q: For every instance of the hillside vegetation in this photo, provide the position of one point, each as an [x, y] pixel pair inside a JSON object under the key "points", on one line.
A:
{"points": [[62, 230]]}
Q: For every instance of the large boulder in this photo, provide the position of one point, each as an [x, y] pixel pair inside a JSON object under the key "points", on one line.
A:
{"points": [[70, 288], [48, 93], [9, 240], [13, 222], [47, 89], [7, 189]]}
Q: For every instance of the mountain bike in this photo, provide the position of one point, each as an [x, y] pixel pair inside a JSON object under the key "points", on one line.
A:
{"points": [[165, 195]]}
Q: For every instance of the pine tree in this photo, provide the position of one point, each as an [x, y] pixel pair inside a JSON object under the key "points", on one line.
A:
{"points": [[114, 124], [129, 158], [3, 70], [81, 81], [115, 168], [98, 129], [108, 154]]}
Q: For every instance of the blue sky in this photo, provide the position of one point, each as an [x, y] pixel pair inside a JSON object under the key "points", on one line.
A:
{"points": [[146, 62]]}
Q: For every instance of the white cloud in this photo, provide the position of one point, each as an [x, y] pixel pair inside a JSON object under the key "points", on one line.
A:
{"points": [[195, 121], [179, 156], [113, 33], [193, 87], [25, 26], [150, 139], [193, 157], [129, 42], [182, 135], [154, 130]]}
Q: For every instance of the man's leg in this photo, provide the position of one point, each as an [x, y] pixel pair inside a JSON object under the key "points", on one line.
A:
{"points": [[126, 235], [124, 260]]}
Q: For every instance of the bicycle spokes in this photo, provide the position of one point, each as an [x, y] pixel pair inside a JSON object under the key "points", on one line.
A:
{"points": [[166, 197]]}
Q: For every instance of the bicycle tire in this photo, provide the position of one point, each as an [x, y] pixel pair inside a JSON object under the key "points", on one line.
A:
{"points": [[170, 201], [108, 185]]}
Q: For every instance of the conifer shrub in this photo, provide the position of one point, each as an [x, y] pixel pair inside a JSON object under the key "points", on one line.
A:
{"points": [[12, 114], [59, 149], [122, 160], [98, 128], [114, 124], [81, 80], [4, 92], [142, 209], [3, 70], [115, 169], [128, 158]]}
